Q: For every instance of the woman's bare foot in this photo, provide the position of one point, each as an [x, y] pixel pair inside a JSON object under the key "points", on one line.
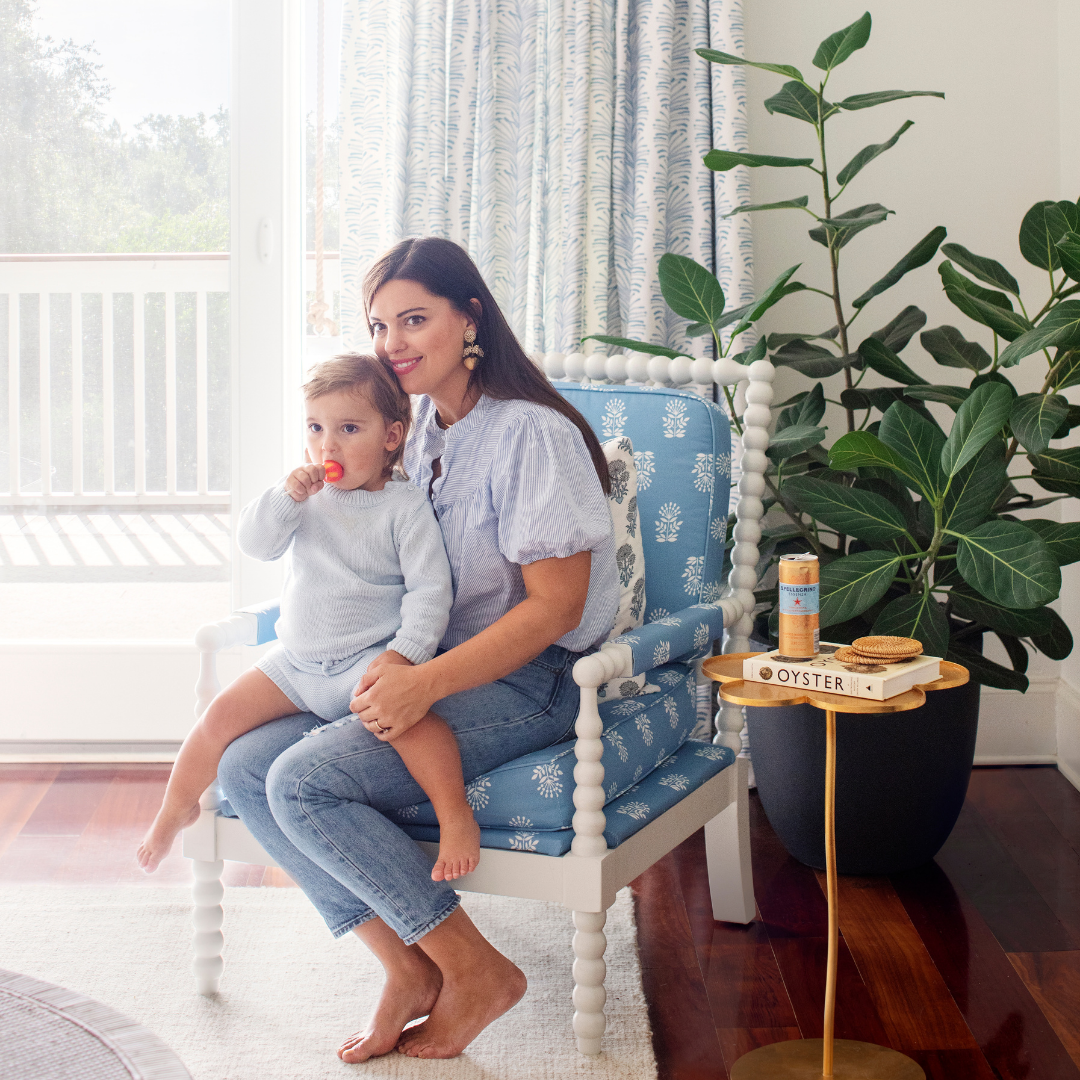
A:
{"points": [[459, 846], [465, 1008], [404, 998], [159, 840]]}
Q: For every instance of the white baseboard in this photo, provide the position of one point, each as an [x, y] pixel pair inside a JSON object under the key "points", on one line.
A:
{"points": [[1070, 774], [95, 751], [1016, 759]]}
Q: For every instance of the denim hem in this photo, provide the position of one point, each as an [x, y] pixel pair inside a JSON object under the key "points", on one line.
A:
{"points": [[416, 935], [352, 924]]}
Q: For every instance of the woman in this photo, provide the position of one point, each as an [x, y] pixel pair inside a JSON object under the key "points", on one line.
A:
{"points": [[517, 480]]}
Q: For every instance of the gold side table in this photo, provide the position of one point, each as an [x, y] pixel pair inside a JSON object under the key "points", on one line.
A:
{"points": [[814, 1059]]}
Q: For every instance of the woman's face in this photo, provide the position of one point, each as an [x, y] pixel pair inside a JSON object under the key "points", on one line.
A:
{"points": [[422, 336]]}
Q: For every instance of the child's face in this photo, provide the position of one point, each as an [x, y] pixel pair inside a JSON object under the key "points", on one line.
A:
{"points": [[344, 427]]}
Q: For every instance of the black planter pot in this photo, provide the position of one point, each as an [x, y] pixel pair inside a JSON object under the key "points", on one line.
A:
{"points": [[901, 779]]}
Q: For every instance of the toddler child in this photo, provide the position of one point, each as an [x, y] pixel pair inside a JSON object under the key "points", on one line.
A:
{"points": [[366, 575]]}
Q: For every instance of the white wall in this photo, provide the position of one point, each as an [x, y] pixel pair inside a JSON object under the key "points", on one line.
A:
{"points": [[1007, 135]]}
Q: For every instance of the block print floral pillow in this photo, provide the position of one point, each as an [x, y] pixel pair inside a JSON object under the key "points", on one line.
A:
{"points": [[629, 557]]}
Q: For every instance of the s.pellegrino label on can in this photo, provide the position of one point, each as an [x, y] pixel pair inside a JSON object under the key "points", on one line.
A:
{"points": [[799, 599], [798, 608]]}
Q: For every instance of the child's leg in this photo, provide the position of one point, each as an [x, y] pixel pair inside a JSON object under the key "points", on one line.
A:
{"points": [[252, 700], [430, 752]]}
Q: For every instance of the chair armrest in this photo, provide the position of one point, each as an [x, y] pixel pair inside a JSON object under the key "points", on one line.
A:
{"points": [[688, 634], [249, 626]]}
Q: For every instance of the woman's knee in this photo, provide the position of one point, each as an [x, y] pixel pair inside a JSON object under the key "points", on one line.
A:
{"points": [[247, 760]]}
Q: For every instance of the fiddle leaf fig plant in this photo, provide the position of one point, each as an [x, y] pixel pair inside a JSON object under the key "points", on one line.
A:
{"points": [[916, 526]]}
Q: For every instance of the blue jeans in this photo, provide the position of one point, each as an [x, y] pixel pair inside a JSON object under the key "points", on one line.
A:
{"points": [[316, 804]]}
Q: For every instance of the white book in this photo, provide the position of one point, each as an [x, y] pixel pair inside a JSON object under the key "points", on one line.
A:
{"points": [[876, 681]]}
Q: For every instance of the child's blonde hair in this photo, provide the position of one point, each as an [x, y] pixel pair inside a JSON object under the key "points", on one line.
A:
{"points": [[365, 374]]}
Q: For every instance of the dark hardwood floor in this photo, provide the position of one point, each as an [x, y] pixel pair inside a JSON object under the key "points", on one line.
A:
{"points": [[970, 964]]}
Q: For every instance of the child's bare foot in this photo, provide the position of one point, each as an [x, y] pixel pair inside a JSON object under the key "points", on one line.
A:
{"points": [[459, 846], [159, 840]]}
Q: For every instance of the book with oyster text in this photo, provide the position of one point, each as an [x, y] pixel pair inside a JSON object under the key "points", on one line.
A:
{"points": [[876, 681]]}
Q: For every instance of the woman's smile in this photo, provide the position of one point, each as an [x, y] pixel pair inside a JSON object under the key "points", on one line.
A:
{"points": [[404, 366]]}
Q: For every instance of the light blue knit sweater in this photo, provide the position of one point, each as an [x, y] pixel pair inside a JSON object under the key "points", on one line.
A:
{"points": [[361, 567]]}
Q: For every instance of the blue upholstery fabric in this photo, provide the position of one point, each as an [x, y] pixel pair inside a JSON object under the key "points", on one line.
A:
{"points": [[669, 783], [639, 733], [682, 446], [688, 634], [267, 615]]}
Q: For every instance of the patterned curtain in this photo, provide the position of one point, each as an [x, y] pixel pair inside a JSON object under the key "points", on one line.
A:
{"points": [[559, 141]]}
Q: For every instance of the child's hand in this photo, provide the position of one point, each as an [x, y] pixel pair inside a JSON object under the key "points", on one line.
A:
{"points": [[304, 482]]}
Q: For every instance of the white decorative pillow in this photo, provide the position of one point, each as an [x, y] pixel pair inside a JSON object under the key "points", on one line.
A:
{"points": [[629, 557]]}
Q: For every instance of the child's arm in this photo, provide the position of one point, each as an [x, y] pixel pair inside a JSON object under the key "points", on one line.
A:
{"points": [[268, 522], [425, 607]]}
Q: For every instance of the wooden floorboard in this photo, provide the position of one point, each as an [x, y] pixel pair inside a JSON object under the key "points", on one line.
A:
{"points": [[970, 964]]}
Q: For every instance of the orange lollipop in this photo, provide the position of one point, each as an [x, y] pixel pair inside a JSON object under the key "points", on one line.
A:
{"points": [[333, 471]]}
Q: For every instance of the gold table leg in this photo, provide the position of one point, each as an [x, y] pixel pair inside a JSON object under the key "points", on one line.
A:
{"points": [[827, 1058]]}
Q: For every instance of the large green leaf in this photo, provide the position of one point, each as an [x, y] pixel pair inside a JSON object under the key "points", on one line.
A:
{"points": [[1062, 538], [981, 417], [1007, 323], [918, 256], [1056, 469], [854, 583], [898, 331], [794, 440], [860, 449], [750, 356], [1069, 254], [885, 362], [689, 289], [868, 153], [883, 97], [787, 204], [951, 276], [777, 290], [1040, 232], [715, 57], [1067, 368], [953, 396], [918, 442], [798, 100], [723, 160], [950, 349], [635, 346], [836, 48], [917, 616], [817, 366], [809, 409], [984, 671], [840, 229], [1035, 418], [1016, 649], [850, 511], [975, 489], [988, 270], [1008, 563], [875, 397], [970, 605], [1058, 643], [1060, 327]]}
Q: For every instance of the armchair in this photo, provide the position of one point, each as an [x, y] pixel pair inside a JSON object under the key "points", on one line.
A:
{"points": [[640, 785]]}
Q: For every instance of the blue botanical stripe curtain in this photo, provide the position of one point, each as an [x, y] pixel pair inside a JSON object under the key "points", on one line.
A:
{"points": [[559, 141]]}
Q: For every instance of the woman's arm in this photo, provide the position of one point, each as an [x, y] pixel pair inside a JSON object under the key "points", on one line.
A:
{"points": [[398, 695]]}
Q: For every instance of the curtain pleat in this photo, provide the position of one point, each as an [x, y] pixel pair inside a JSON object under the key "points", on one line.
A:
{"points": [[559, 141]]}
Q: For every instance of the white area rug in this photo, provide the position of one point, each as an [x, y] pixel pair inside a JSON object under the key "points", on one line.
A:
{"points": [[290, 993]]}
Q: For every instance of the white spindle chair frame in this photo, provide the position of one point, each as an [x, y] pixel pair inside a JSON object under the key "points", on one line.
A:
{"points": [[586, 879]]}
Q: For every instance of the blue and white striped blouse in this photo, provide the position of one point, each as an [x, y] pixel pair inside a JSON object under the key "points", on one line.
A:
{"points": [[517, 485]]}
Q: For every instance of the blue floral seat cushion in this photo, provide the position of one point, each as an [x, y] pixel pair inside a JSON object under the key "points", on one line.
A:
{"points": [[669, 783], [639, 734]]}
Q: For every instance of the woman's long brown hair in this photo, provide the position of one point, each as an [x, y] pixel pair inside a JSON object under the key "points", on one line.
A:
{"points": [[505, 373]]}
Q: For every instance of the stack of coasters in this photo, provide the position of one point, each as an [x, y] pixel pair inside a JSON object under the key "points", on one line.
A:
{"points": [[871, 667]]}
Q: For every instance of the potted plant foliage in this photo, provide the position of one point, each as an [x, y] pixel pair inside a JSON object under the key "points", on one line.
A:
{"points": [[916, 526]]}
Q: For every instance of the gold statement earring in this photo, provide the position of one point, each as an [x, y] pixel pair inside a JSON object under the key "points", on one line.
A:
{"points": [[472, 352]]}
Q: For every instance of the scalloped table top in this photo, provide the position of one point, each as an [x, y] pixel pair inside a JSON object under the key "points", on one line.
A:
{"points": [[727, 670]]}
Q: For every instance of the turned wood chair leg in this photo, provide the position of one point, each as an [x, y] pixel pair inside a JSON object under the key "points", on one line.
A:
{"points": [[589, 973], [207, 893], [727, 851]]}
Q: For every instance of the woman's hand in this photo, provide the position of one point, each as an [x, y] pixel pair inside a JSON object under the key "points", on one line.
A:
{"points": [[392, 696]]}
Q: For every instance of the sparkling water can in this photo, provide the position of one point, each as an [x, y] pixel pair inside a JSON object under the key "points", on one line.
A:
{"points": [[799, 634]]}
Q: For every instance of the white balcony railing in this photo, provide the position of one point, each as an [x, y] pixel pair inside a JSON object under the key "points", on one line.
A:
{"points": [[117, 382]]}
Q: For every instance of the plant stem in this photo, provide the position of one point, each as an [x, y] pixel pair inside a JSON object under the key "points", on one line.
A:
{"points": [[921, 581], [834, 267]]}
